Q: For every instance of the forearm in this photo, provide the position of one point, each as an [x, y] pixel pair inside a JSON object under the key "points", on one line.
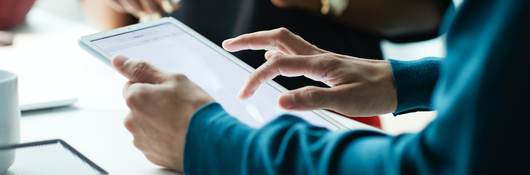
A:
{"points": [[219, 144], [395, 18], [104, 16]]}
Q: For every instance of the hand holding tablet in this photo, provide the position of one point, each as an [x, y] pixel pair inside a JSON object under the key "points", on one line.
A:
{"points": [[173, 73], [172, 47]]}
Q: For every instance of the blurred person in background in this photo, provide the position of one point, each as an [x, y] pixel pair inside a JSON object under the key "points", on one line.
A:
{"points": [[341, 26], [12, 14]]}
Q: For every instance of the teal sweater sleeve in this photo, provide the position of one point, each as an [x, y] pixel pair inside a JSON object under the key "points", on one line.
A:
{"points": [[215, 142], [415, 82], [218, 143], [481, 96]]}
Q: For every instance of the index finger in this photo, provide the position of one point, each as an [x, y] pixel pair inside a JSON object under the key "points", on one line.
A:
{"points": [[282, 65], [279, 39]]}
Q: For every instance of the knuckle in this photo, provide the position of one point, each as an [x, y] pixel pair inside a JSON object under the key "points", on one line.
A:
{"points": [[312, 97], [135, 99], [139, 69], [129, 124], [327, 63], [282, 31], [138, 144], [131, 101], [275, 58], [279, 37], [327, 55], [180, 77]]}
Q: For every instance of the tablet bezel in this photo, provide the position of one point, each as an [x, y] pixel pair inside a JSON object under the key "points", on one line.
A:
{"points": [[86, 43]]}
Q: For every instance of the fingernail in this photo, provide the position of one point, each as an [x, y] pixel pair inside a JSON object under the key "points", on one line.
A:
{"points": [[242, 94], [226, 42]]}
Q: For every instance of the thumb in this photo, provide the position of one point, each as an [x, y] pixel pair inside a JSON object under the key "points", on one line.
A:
{"points": [[307, 98], [137, 71]]}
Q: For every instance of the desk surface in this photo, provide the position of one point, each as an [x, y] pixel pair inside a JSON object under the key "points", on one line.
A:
{"points": [[46, 56]]}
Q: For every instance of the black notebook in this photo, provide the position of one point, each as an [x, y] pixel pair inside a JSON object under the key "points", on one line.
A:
{"points": [[51, 157]]}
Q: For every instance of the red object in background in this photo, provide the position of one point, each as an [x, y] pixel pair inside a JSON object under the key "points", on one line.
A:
{"points": [[374, 121], [13, 12]]}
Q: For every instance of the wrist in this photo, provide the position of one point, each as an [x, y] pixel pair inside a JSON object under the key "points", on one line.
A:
{"points": [[201, 102], [389, 88], [199, 105]]}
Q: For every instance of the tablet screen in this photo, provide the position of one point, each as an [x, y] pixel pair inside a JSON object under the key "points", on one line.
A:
{"points": [[172, 49]]}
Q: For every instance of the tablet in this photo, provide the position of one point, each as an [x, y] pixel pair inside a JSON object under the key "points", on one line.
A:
{"points": [[50, 157], [173, 47]]}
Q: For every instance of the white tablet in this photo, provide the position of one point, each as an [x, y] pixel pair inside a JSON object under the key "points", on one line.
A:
{"points": [[171, 46]]}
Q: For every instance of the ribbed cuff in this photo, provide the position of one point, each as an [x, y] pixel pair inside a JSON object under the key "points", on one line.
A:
{"points": [[415, 82]]}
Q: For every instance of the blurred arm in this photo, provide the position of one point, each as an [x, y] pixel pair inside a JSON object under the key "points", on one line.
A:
{"points": [[395, 18], [104, 16]]}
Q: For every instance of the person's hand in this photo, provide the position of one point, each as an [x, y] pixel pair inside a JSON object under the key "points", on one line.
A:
{"points": [[359, 87], [161, 107], [309, 5]]}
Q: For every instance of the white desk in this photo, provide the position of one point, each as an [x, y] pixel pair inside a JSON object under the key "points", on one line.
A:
{"points": [[46, 55]]}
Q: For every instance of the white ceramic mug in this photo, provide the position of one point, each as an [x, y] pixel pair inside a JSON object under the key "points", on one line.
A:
{"points": [[9, 118]]}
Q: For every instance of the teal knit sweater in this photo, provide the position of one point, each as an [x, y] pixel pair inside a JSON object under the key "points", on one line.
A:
{"points": [[480, 90]]}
